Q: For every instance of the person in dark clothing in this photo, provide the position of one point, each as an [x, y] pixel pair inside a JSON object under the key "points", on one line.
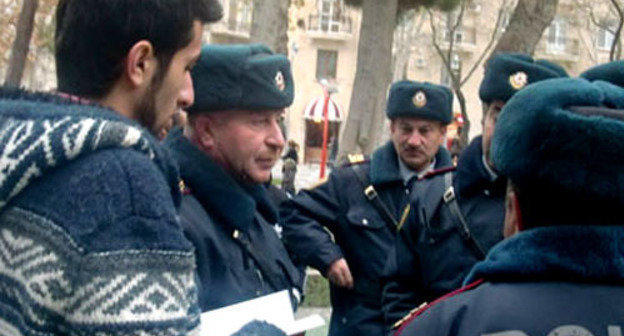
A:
{"points": [[458, 214], [561, 269], [292, 151], [225, 154], [363, 203]]}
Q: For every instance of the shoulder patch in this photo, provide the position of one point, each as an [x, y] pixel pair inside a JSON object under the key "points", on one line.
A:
{"points": [[424, 307], [440, 171]]}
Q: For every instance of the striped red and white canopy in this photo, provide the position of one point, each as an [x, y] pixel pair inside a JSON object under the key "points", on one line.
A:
{"points": [[314, 110]]}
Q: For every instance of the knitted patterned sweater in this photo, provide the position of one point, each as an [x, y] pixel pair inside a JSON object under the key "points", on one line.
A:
{"points": [[90, 242]]}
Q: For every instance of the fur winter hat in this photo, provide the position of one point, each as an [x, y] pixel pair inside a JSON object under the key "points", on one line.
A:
{"points": [[506, 74], [421, 100], [560, 137], [612, 72], [247, 76]]}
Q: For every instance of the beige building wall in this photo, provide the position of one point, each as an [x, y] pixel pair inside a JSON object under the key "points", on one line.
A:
{"points": [[572, 41]]}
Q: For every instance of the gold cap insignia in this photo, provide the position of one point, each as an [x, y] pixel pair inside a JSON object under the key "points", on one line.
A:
{"points": [[419, 99], [279, 81], [519, 80]]}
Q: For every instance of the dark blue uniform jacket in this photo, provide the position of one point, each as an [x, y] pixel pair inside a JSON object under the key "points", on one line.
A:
{"points": [[239, 254], [431, 257], [360, 235], [546, 281]]}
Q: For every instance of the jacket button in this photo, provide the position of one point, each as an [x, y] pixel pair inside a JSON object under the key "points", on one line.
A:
{"points": [[344, 320], [365, 221]]}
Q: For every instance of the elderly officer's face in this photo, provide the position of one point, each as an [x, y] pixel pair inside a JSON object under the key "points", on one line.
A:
{"points": [[417, 140], [489, 122], [246, 143]]}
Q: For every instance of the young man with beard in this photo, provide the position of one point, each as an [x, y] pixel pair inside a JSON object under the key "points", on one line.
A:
{"points": [[362, 204], [560, 270], [90, 240], [457, 214], [226, 153]]}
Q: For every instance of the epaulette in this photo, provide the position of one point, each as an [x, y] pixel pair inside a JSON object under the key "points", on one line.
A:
{"points": [[425, 306], [436, 172], [354, 159], [409, 315]]}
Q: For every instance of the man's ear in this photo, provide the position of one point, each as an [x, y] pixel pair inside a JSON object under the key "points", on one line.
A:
{"points": [[203, 131], [141, 64], [513, 215]]}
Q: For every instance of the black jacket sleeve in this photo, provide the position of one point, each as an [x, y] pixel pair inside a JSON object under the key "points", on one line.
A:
{"points": [[306, 218]]}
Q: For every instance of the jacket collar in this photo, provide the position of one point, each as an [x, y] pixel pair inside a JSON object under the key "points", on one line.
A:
{"points": [[472, 176], [385, 164], [583, 253], [218, 192]]}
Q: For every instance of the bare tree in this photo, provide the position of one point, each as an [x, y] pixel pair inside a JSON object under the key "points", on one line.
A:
{"points": [[608, 15], [526, 26], [19, 52], [453, 24], [270, 24], [373, 72]]}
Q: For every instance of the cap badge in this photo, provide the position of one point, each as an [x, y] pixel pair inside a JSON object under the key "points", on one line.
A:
{"points": [[419, 99], [279, 81], [518, 80]]}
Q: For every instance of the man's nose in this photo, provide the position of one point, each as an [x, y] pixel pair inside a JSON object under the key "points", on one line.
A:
{"points": [[415, 139], [187, 95], [276, 138]]}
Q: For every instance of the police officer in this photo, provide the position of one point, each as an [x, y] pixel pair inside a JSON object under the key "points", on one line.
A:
{"points": [[225, 153], [560, 272], [362, 205], [458, 215]]}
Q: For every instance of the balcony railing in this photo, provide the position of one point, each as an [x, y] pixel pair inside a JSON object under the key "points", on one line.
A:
{"points": [[329, 26]]}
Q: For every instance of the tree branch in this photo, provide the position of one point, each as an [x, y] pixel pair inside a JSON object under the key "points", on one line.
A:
{"points": [[618, 31], [488, 47]]}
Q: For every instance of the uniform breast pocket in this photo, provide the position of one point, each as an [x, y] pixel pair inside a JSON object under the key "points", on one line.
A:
{"points": [[365, 218]]}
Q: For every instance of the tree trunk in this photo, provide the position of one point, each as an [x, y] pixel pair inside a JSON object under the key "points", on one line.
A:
{"points": [[270, 24], [526, 26], [19, 51], [463, 135], [373, 73]]}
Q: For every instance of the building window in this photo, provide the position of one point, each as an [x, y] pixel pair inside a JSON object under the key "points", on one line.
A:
{"points": [[330, 12], [557, 35], [445, 77], [604, 39], [326, 64], [239, 15]]}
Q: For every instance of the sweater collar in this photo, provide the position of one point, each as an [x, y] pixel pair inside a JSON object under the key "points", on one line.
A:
{"points": [[583, 253], [219, 193], [40, 132]]}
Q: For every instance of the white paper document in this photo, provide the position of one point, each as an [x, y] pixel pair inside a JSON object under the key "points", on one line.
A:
{"points": [[273, 308]]}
